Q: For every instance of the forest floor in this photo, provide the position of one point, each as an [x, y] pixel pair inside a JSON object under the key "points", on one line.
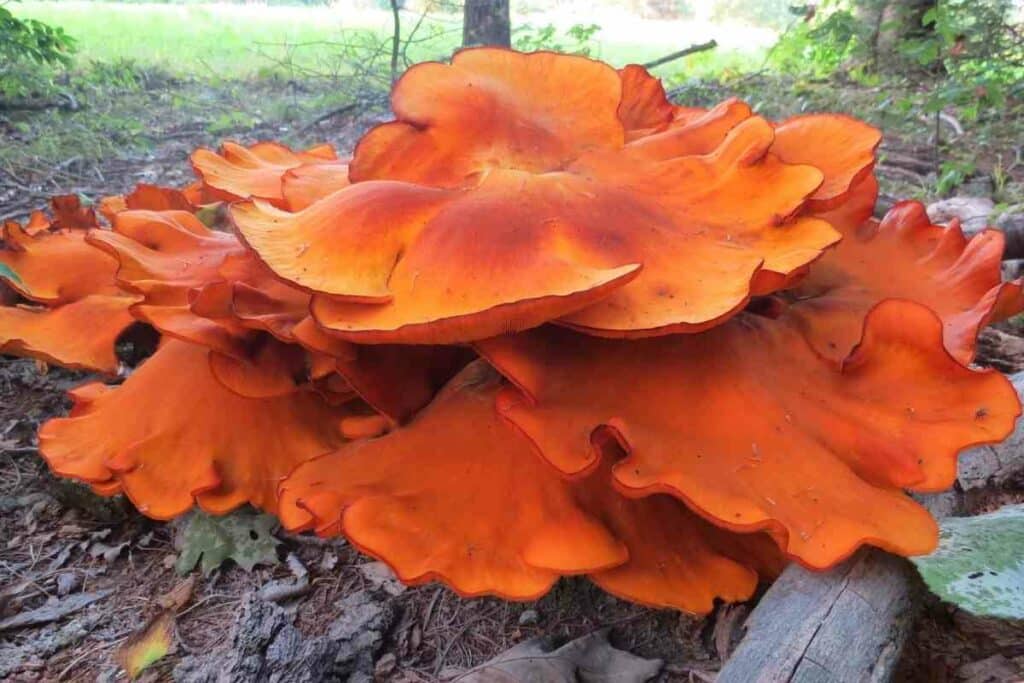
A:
{"points": [[58, 541]]}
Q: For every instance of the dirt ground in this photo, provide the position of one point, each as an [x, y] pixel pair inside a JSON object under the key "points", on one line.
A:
{"points": [[57, 541]]}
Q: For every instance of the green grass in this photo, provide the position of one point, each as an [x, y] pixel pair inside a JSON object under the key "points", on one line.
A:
{"points": [[243, 41]]}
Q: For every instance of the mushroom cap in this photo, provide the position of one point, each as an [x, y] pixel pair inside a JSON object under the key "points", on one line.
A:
{"points": [[458, 496], [212, 447], [76, 311], [55, 266], [240, 172], [749, 425], [515, 189], [80, 335], [903, 256], [303, 185]]}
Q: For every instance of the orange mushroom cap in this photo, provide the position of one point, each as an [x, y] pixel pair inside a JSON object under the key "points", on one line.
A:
{"points": [[754, 429], [212, 446], [458, 496], [148, 198], [168, 258], [37, 222], [644, 108], [240, 172], [903, 256], [203, 287], [80, 335], [699, 132], [79, 311], [304, 185], [506, 195], [69, 213], [492, 108], [842, 147], [55, 266], [355, 263]]}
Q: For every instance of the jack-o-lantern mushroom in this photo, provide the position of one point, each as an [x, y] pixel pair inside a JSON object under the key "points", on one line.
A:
{"points": [[62, 304], [904, 256], [701, 355], [190, 439], [892, 416], [240, 172], [457, 495], [203, 287], [506, 194]]}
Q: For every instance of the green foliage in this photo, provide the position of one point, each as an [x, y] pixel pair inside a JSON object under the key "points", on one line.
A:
{"points": [[979, 565], [952, 174], [578, 39], [27, 45], [962, 59], [231, 121], [819, 47], [243, 536]]}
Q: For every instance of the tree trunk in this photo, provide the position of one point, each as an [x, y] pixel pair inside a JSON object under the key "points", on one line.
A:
{"points": [[486, 22], [900, 20]]}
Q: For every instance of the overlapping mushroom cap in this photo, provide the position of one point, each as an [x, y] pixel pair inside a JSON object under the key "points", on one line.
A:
{"points": [[458, 495], [54, 286], [699, 354], [515, 189], [189, 437]]}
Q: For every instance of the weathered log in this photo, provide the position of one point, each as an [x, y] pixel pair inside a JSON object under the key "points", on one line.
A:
{"points": [[266, 646], [998, 464], [848, 624], [851, 623]]}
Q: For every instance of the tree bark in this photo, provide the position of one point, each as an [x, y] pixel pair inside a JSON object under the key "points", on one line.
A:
{"points": [[486, 22], [898, 21]]}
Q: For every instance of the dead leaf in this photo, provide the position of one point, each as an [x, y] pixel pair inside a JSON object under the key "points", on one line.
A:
{"points": [[151, 644], [178, 597], [109, 553], [589, 659]]}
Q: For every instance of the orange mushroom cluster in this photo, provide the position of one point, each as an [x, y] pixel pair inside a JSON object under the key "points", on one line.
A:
{"points": [[544, 323]]}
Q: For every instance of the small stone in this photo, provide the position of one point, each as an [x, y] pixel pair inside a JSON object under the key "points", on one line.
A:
{"points": [[973, 212], [529, 617]]}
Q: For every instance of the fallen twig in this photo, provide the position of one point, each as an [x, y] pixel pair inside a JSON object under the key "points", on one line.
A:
{"points": [[48, 613], [328, 115], [701, 47]]}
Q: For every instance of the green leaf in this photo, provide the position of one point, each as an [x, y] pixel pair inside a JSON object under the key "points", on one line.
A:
{"points": [[7, 274], [243, 536], [979, 565]]}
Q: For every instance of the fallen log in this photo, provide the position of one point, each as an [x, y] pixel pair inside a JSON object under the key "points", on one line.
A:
{"points": [[1013, 232], [849, 624]]}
